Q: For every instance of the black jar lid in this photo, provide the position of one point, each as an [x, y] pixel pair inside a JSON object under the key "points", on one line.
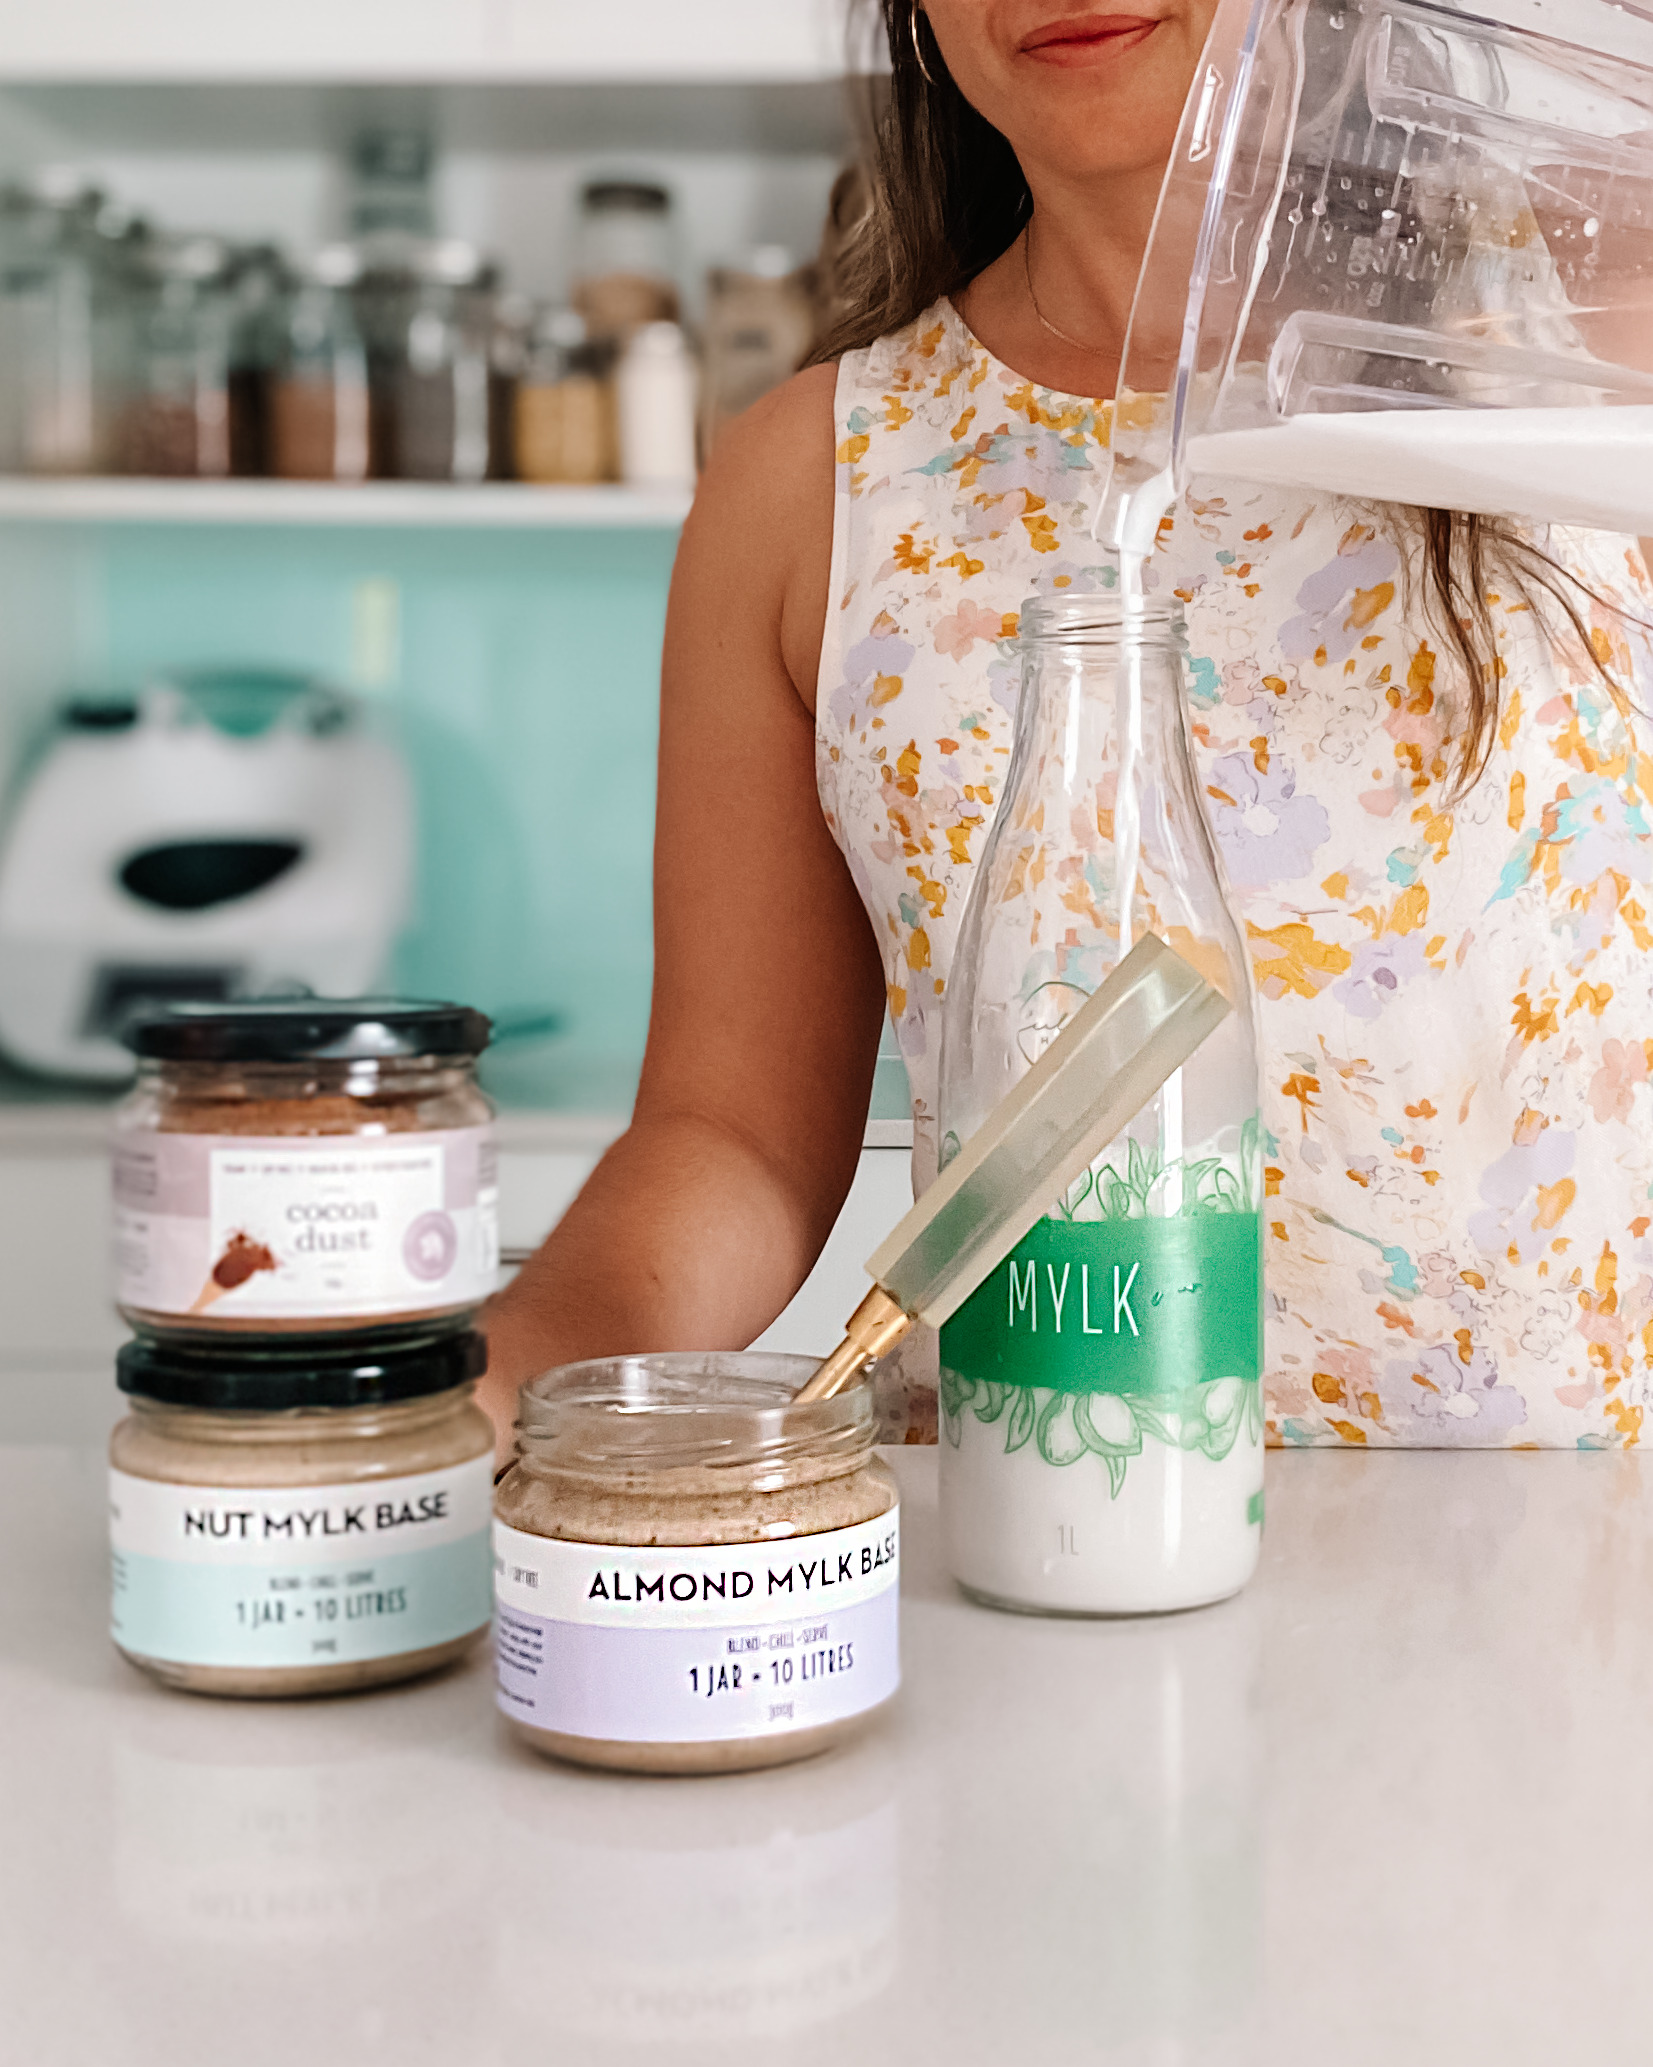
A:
{"points": [[266, 1376], [306, 1030]]}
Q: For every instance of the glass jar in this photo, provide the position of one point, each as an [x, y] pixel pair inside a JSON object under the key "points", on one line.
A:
{"points": [[65, 312], [625, 266], [308, 1168], [320, 424], [177, 415], [426, 311], [564, 414], [260, 284], [692, 1574], [760, 321], [656, 404], [1101, 1398], [285, 1522]]}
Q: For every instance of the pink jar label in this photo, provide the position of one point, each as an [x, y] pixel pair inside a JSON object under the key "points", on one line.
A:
{"points": [[305, 1227], [669, 1645]]}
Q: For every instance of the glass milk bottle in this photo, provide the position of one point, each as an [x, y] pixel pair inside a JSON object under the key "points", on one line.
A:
{"points": [[1101, 1395]]}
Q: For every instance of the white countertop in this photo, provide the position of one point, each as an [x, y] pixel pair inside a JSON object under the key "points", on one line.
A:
{"points": [[1391, 1806]]}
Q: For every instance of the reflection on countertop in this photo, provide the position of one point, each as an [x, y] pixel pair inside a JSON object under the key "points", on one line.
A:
{"points": [[1385, 1807]]}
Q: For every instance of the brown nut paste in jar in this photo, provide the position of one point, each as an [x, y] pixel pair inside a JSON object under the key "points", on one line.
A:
{"points": [[286, 1522], [692, 1573], [319, 1166]]}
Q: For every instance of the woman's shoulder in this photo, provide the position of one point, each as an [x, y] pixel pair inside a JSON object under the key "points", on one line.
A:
{"points": [[769, 477], [785, 444], [785, 433], [758, 540]]}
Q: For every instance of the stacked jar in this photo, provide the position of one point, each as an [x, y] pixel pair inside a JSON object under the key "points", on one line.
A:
{"points": [[66, 292], [305, 1225]]}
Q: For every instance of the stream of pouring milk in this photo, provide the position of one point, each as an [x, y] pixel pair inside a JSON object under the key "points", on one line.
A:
{"points": [[1183, 1528]]}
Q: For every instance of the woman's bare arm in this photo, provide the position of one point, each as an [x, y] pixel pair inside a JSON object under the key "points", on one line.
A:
{"points": [[704, 1218]]}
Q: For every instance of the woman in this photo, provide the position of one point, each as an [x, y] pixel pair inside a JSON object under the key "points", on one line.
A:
{"points": [[1429, 796]]}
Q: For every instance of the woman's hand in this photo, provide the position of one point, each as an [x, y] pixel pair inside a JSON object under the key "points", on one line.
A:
{"points": [[701, 1222]]}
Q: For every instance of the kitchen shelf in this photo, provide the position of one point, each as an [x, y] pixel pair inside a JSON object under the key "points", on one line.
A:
{"points": [[401, 505], [76, 118]]}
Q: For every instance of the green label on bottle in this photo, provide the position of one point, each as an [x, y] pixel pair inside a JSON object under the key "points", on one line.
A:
{"points": [[1141, 1307]]}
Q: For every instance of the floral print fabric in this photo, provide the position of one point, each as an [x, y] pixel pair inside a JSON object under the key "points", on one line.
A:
{"points": [[1456, 996]]}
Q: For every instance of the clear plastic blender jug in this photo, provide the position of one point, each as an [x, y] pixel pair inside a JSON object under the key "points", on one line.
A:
{"points": [[1404, 251]]}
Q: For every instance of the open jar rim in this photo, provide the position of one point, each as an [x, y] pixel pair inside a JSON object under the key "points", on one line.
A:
{"points": [[1097, 618], [692, 1420]]}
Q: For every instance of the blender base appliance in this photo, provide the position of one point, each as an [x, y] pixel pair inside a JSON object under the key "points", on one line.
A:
{"points": [[219, 835]]}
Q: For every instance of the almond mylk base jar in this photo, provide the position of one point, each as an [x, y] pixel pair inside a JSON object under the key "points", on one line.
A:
{"points": [[692, 1574]]}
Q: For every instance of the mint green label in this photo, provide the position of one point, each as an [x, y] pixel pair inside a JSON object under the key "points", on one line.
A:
{"points": [[1137, 1307], [258, 1615]]}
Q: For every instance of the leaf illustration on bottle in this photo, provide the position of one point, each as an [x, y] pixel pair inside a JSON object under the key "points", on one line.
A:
{"points": [[1060, 1440], [1116, 1194], [1207, 1418], [1252, 1145], [996, 1399], [1144, 1168], [1078, 1192], [1223, 1410]]}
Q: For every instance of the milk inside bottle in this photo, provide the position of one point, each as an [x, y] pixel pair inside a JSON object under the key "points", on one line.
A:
{"points": [[1101, 1401]]}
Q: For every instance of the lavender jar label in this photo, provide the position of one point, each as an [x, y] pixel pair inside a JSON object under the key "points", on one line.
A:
{"points": [[251, 1576], [669, 1645], [305, 1227]]}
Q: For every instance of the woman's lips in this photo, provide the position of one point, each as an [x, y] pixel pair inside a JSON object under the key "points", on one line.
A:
{"points": [[1079, 39]]}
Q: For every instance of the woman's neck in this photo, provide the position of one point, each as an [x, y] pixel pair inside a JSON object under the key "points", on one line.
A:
{"points": [[1056, 305]]}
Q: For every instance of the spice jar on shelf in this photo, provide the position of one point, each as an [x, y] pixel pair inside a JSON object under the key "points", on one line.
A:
{"points": [[65, 315], [760, 320], [319, 419], [656, 387], [693, 1573], [177, 415], [289, 1520], [260, 284], [625, 269], [319, 1166], [564, 414], [426, 310], [509, 337]]}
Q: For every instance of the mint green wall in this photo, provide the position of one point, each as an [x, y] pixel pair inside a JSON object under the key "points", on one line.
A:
{"points": [[525, 695]]}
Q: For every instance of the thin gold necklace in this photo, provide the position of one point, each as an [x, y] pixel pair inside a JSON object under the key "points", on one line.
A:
{"points": [[1095, 351]]}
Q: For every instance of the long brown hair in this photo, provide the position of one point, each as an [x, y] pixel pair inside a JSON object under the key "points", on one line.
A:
{"points": [[943, 195]]}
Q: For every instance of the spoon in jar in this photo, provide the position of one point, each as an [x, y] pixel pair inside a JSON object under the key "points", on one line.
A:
{"points": [[1122, 1045]]}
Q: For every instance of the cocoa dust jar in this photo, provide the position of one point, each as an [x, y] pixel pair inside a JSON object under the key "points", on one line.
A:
{"points": [[1101, 1396], [315, 1167]]}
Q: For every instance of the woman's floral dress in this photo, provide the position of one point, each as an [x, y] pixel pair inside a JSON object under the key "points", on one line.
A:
{"points": [[1457, 998]]}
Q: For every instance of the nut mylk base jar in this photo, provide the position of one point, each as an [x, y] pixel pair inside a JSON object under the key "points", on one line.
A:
{"points": [[692, 1574], [286, 1523]]}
